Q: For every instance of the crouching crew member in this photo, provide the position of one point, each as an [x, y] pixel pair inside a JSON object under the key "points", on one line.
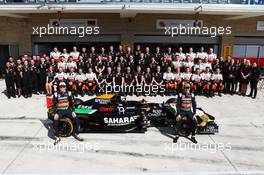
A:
{"points": [[71, 85], [91, 81], [186, 106], [168, 77], [217, 82], [63, 107], [197, 82], [10, 80]]}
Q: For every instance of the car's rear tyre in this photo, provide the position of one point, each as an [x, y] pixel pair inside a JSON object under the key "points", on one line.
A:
{"points": [[66, 128]]}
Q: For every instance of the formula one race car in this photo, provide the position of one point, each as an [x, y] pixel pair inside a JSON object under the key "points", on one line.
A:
{"points": [[104, 113], [165, 114], [113, 113]]}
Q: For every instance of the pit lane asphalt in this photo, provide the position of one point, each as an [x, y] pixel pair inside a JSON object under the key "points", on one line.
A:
{"points": [[26, 145]]}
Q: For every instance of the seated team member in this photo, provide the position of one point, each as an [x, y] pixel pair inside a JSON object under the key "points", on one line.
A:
{"points": [[128, 53], [99, 64], [187, 63], [177, 62], [100, 77], [65, 53], [80, 81], [191, 54], [62, 104], [139, 79], [128, 80], [71, 85], [55, 54], [217, 82], [180, 54], [186, 106], [60, 76], [199, 65], [118, 80], [148, 81], [207, 64], [103, 54], [91, 81], [177, 80], [206, 78], [186, 76], [141, 61], [75, 54], [50, 80], [71, 64], [196, 82], [158, 80], [168, 77], [211, 55]]}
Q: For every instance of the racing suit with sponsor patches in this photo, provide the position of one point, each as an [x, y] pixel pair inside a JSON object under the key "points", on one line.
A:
{"points": [[186, 106], [62, 105]]}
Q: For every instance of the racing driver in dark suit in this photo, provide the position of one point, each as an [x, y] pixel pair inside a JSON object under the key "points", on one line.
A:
{"points": [[186, 106], [63, 102]]}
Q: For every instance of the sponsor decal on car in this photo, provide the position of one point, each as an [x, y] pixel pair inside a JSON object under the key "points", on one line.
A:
{"points": [[106, 109], [156, 113], [119, 121]]}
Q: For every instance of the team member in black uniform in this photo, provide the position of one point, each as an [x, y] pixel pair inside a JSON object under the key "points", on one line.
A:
{"points": [[231, 77], [186, 106], [10, 80], [93, 54], [26, 74], [137, 53], [110, 62], [42, 74], [148, 82], [111, 52], [141, 61], [99, 64], [118, 80], [100, 82], [89, 64], [19, 82], [34, 77], [108, 79], [49, 80], [153, 65], [81, 64], [147, 57], [139, 79], [129, 81], [84, 54], [254, 79], [131, 63], [158, 80], [63, 107]]}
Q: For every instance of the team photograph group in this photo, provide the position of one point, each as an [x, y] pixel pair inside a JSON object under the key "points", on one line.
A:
{"points": [[86, 71]]}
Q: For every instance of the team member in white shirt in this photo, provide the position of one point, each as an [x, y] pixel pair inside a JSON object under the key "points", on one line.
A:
{"points": [[71, 64], [60, 76], [177, 80], [168, 78], [62, 64], [202, 55], [211, 55], [71, 81], [180, 54], [75, 54], [199, 65], [196, 81], [187, 63], [65, 54], [80, 81], [206, 77], [217, 82], [191, 54], [186, 76], [91, 81], [55, 54], [177, 62]]}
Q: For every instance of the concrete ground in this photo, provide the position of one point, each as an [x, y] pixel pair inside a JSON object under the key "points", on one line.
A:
{"points": [[25, 145]]}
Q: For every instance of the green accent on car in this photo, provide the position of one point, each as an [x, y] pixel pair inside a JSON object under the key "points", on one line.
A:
{"points": [[172, 109], [84, 111]]}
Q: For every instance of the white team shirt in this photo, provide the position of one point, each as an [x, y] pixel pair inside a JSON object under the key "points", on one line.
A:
{"points": [[217, 77], [71, 64], [80, 77], [196, 78], [168, 76], [60, 76], [55, 55], [202, 55], [65, 55], [176, 63], [206, 76]]}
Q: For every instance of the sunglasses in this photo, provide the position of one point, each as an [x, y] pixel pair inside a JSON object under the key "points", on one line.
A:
{"points": [[63, 86]]}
